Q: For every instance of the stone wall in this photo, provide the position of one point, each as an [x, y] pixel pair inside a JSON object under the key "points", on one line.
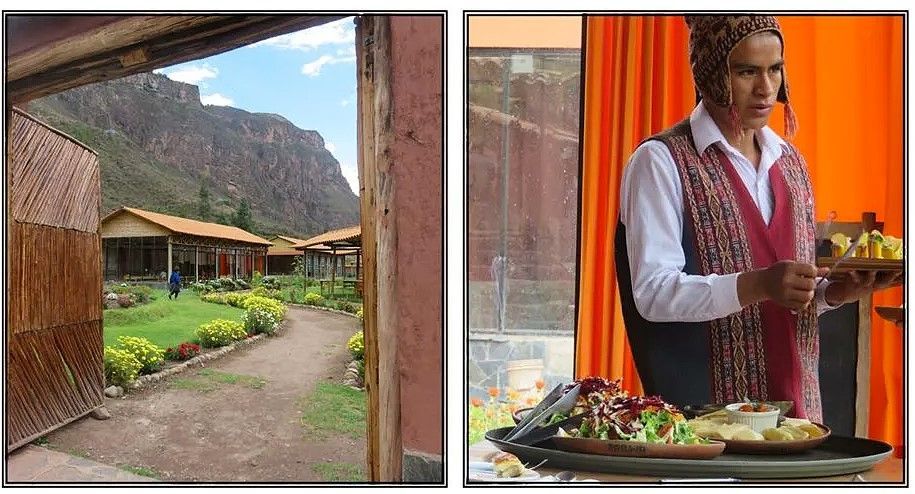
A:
{"points": [[490, 354]]}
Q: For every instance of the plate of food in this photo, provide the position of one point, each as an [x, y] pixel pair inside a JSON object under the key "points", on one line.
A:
{"points": [[503, 467], [638, 426], [873, 252], [791, 435]]}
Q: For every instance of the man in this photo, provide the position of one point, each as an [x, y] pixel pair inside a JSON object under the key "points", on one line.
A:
{"points": [[174, 284], [715, 245]]}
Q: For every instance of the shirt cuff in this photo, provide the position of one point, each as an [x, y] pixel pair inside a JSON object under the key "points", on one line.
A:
{"points": [[724, 294], [822, 304]]}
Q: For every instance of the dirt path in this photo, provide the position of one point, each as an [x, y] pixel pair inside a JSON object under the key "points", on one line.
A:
{"points": [[235, 432]]}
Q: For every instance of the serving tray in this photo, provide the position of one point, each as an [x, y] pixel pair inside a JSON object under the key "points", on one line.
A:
{"points": [[860, 264], [838, 455]]}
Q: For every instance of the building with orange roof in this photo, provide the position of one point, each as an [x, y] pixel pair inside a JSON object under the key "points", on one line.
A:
{"points": [[143, 245]]}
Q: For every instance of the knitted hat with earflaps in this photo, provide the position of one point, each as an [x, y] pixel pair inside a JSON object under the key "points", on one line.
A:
{"points": [[711, 40]]}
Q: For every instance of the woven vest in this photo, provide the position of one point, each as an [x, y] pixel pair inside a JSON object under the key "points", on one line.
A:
{"points": [[763, 352]]}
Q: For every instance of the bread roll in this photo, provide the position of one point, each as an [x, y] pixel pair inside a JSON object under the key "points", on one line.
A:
{"points": [[507, 465]]}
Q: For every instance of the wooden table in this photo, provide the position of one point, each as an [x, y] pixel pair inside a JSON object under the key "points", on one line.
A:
{"points": [[889, 470]]}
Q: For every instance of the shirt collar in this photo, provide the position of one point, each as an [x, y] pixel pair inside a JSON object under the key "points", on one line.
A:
{"points": [[706, 132]]}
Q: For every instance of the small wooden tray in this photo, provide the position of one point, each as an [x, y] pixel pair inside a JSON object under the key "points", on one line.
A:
{"points": [[861, 264], [892, 314]]}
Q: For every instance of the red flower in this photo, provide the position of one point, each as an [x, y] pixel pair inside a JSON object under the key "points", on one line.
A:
{"points": [[476, 402]]}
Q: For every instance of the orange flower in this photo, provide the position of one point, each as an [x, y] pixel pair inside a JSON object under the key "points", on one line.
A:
{"points": [[476, 402], [539, 383], [493, 392], [531, 400], [512, 394]]}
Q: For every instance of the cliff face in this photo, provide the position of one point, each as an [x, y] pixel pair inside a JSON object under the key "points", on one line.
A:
{"points": [[158, 144]]}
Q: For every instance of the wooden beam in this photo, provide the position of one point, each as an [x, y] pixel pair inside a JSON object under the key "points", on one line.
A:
{"points": [[373, 48], [144, 42], [863, 367]]}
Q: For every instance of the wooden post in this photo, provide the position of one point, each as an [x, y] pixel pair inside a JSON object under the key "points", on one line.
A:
{"points": [[863, 367], [384, 449], [169, 275], [358, 258], [216, 252], [333, 272], [197, 264]]}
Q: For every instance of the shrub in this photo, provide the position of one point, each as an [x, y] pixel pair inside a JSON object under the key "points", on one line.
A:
{"points": [[226, 284], [242, 284], [214, 298], [146, 352], [184, 351], [276, 308], [236, 299], [256, 279], [220, 332], [125, 300], [360, 315], [201, 287], [121, 367], [312, 298], [347, 307], [356, 346], [260, 320], [270, 282]]}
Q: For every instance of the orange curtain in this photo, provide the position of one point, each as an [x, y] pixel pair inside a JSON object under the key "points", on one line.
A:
{"points": [[845, 75]]}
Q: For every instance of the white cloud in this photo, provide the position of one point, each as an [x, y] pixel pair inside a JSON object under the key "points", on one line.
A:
{"points": [[330, 146], [191, 74], [313, 69], [333, 33], [344, 102], [216, 99], [351, 174]]}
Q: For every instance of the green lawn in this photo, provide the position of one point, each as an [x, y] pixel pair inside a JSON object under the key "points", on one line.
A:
{"points": [[334, 408], [167, 323]]}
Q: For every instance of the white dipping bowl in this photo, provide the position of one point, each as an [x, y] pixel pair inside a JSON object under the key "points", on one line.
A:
{"points": [[758, 421]]}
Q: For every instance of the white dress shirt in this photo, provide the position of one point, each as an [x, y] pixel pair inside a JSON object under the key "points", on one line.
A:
{"points": [[651, 208]]}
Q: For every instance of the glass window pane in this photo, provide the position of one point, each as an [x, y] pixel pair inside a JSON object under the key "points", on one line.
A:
{"points": [[523, 129]]}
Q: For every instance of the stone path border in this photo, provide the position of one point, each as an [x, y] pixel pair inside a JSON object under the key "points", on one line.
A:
{"points": [[325, 309]]}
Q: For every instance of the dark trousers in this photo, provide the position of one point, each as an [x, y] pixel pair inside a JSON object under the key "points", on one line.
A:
{"points": [[173, 289]]}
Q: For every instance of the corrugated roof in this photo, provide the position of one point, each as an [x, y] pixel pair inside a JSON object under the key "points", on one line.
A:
{"points": [[347, 234], [193, 227]]}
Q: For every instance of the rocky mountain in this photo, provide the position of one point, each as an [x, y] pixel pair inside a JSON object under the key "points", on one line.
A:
{"points": [[158, 145]]}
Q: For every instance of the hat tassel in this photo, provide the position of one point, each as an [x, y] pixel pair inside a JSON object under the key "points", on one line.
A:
{"points": [[790, 121]]}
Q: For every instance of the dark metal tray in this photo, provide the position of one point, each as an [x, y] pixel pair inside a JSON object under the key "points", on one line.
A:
{"points": [[839, 455]]}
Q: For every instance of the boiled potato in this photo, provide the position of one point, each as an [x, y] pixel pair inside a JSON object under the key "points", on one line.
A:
{"points": [[773, 434], [811, 430], [796, 432]]}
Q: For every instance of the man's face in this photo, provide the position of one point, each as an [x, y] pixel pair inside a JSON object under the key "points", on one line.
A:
{"points": [[756, 75]]}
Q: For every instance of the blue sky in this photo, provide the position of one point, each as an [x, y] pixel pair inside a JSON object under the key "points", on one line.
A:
{"points": [[308, 77]]}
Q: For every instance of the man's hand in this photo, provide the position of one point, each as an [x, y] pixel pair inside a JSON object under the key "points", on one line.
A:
{"points": [[860, 284], [787, 283]]}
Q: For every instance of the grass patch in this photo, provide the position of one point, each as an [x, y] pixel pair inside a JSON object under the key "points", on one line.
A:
{"points": [[41, 441], [167, 323], [198, 385], [339, 472], [334, 408], [253, 382], [141, 471], [207, 380], [78, 452]]}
